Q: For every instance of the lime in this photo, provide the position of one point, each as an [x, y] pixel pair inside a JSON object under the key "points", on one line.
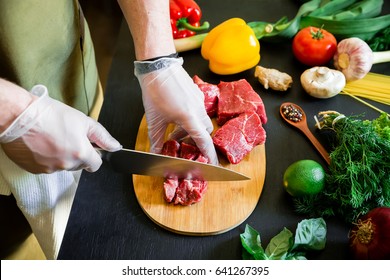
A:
{"points": [[304, 177]]}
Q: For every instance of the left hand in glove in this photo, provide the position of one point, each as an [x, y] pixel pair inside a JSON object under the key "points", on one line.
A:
{"points": [[50, 136]]}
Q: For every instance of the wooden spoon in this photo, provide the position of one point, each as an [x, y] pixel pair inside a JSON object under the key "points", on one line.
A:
{"points": [[302, 126]]}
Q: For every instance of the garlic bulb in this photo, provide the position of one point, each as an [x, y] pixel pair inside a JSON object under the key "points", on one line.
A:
{"points": [[322, 82], [354, 58]]}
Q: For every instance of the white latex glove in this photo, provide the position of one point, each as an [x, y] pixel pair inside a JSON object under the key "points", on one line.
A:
{"points": [[50, 136], [170, 96]]}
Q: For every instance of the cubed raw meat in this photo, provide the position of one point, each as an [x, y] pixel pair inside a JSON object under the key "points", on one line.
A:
{"points": [[211, 93], [236, 98], [190, 191], [238, 136], [171, 148], [183, 191]]}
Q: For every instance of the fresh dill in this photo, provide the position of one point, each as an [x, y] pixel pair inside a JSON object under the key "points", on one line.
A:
{"points": [[358, 179]]}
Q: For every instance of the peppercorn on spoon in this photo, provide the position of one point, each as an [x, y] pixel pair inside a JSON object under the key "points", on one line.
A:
{"points": [[295, 116]]}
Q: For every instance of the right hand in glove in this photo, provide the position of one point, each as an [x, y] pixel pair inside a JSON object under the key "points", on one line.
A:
{"points": [[50, 136], [170, 96]]}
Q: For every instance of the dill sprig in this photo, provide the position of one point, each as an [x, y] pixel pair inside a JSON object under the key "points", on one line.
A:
{"points": [[359, 173]]}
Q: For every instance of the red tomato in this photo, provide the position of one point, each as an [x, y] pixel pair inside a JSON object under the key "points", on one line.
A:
{"points": [[314, 46]]}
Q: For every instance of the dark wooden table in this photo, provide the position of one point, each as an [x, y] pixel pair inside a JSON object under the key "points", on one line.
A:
{"points": [[106, 221]]}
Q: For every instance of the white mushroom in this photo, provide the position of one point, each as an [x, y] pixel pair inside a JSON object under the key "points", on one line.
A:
{"points": [[322, 82]]}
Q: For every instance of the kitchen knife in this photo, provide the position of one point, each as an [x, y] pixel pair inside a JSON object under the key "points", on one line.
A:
{"points": [[150, 164]]}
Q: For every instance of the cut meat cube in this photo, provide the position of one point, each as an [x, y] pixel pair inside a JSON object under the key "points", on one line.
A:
{"points": [[225, 139], [188, 151], [238, 136], [236, 98], [170, 187], [171, 148], [211, 93], [183, 191], [190, 191], [202, 158]]}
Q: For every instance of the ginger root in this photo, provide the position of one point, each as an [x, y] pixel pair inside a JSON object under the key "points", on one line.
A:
{"points": [[272, 78]]}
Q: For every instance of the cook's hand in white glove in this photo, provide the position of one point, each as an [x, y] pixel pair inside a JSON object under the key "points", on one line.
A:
{"points": [[50, 136], [170, 96]]}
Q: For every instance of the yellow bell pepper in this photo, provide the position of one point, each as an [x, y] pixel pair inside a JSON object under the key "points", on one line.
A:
{"points": [[231, 47]]}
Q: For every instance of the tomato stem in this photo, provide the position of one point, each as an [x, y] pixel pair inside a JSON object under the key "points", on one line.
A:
{"points": [[317, 35]]}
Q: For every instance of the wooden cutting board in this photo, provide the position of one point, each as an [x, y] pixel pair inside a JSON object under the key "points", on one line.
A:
{"points": [[224, 206]]}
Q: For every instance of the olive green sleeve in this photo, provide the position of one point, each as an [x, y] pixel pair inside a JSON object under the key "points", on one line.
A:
{"points": [[49, 43]]}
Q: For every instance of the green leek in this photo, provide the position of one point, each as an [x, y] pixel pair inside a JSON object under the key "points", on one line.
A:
{"points": [[342, 18]]}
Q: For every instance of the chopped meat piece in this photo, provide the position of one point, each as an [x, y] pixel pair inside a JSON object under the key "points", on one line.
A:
{"points": [[188, 151], [197, 80], [170, 187], [190, 191], [238, 136], [183, 191], [236, 98], [202, 158], [211, 93], [171, 148], [272, 78]]}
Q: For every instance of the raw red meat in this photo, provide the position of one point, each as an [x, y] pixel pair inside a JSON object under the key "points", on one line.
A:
{"points": [[238, 136], [190, 191], [170, 186], [183, 191], [236, 98], [188, 151], [240, 112], [171, 148], [211, 93]]}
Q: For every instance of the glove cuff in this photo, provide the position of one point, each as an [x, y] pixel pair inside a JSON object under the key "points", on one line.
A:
{"points": [[28, 118], [147, 66], [172, 55]]}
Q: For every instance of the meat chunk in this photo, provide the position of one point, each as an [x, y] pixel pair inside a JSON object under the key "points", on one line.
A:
{"points": [[238, 136], [189, 151], [190, 191], [171, 148], [170, 186], [183, 191], [236, 98], [211, 93]]}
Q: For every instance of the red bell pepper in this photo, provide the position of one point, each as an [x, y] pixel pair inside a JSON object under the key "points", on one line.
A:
{"points": [[185, 18]]}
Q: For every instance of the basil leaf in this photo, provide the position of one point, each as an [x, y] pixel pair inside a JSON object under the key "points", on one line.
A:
{"points": [[246, 255], [251, 241], [310, 235], [296, 256], [279, 245]]}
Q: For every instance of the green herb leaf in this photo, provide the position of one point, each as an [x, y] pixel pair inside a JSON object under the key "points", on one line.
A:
{"points": [[251, 242], [279, 245], [296, 256], [382, 126], [310, 235], [359, 173]]}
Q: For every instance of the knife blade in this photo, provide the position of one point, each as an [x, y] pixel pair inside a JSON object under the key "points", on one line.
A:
{"points": [[150, 164]]}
